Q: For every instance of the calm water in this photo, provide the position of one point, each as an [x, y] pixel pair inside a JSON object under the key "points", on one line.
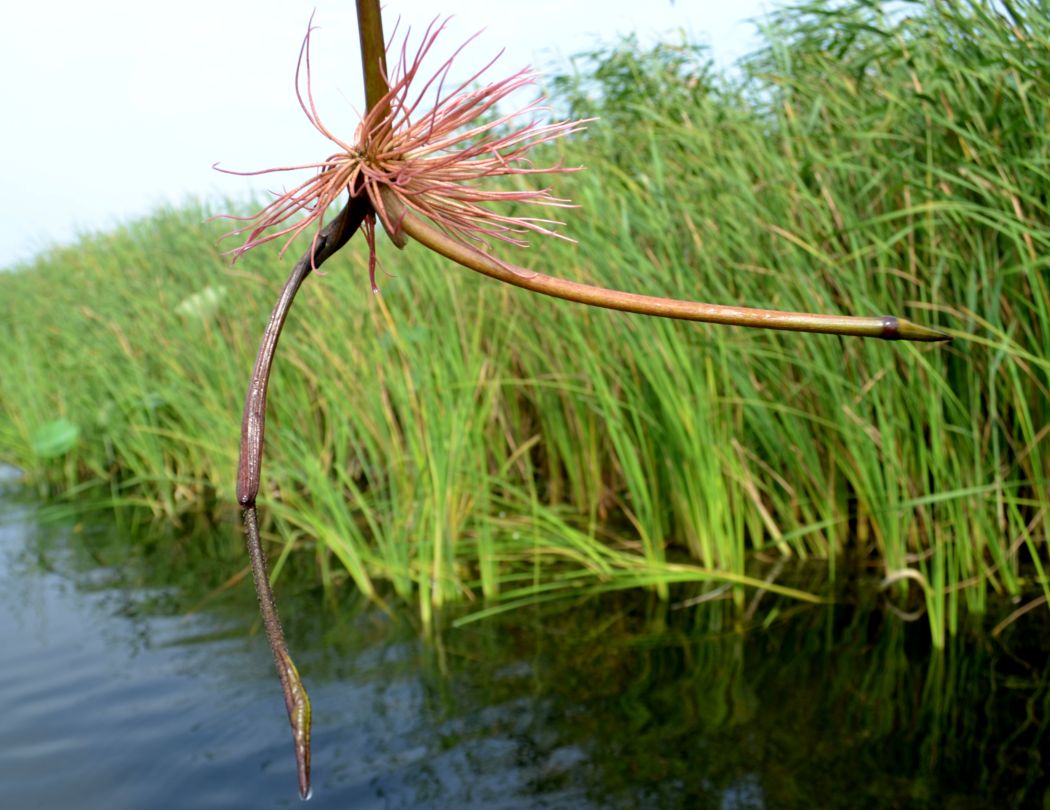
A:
{"points": [[134, 676]]}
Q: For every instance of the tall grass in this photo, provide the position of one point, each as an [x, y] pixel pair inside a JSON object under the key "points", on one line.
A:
{"points": [[463, 441]]}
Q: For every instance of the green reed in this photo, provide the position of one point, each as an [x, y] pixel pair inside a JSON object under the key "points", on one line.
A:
{"points": [[458, 440]]}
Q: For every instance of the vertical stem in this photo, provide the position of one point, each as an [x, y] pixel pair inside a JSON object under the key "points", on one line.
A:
{"points": [[373, 52]]}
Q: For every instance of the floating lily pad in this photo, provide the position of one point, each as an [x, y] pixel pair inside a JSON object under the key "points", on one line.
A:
{"points": [[54, 439]]}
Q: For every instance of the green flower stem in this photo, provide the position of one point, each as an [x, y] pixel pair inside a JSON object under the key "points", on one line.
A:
{"points": [[373, 52], [887, 327]]}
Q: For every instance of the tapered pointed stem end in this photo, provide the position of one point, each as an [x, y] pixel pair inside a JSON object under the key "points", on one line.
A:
{"points": [[894, 328]]}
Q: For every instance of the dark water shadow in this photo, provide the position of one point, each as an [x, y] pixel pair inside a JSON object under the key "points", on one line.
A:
{"points": [[135, 675]]}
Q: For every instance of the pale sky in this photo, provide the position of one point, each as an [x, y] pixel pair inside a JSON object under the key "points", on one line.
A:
{"points": [[116, 107]]}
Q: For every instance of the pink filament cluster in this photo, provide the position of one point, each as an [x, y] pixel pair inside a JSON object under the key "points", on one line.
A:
{"points": [[430, 158]]}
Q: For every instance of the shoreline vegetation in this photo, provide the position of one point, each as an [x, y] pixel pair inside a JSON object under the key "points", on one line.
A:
{"points": [[451, 440]]}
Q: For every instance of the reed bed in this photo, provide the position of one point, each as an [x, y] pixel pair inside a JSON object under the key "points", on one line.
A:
{"points": [[455, 440]]}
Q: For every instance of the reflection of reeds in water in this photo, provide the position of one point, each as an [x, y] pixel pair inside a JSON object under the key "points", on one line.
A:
{"points": [[837, 708], [833, 707], [518, 450]]}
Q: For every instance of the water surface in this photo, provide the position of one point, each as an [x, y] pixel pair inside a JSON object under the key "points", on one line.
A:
{"points": [[134, 676]]}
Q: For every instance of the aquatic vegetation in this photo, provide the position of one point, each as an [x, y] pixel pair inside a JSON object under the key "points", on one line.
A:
{"points": [[507, 456]]}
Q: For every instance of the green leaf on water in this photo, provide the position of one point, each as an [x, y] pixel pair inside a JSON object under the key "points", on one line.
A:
{"points": [[54, 439]]}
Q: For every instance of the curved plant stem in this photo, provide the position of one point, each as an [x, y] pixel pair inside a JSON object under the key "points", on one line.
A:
{"points": [[887, 327], [253, 424], [253, 429]]}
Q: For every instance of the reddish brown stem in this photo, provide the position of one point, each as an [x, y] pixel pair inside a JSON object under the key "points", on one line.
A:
{"points": [[253, 424], [253, 429]]}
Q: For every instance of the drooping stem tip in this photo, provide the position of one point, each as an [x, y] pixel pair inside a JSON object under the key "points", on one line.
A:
{"points": [[296, 701]]}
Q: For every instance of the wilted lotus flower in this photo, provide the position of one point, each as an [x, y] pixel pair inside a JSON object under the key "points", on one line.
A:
{"points": [[428, 159]]}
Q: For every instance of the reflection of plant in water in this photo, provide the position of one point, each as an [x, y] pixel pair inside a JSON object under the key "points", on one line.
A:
{"points": [[411, 172], [634, 704], [838, 707]]}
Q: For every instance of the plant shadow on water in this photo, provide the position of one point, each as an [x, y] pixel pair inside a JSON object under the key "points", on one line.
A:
{"points": [[133, 680]]}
